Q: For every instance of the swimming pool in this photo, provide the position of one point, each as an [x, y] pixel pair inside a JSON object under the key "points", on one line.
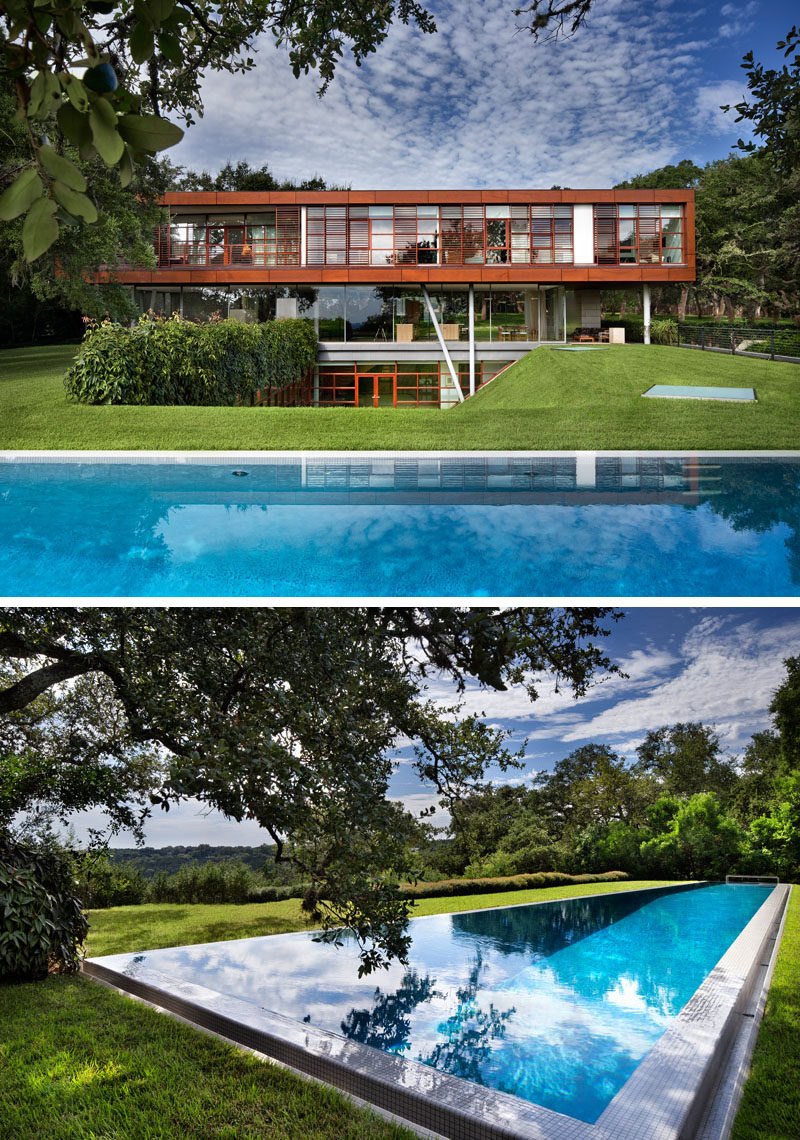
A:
{"points": [[312, 525], [555, 1004]]}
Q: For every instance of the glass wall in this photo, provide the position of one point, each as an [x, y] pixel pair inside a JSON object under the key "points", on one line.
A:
{"points": [[644, 234]]}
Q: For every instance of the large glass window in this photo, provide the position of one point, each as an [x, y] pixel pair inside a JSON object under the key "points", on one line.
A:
{"points": [[369, 312], [266, 237], [638, 234], [508, 315]]}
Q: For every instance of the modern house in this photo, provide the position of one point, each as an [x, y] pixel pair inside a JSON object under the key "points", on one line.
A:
{"points": [[418, 297]]}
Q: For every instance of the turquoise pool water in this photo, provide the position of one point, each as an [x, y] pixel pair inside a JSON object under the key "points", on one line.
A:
{"points": [[556, 1003], [592, 526]]}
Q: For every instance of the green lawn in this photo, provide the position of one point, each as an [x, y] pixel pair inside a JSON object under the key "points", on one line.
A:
{"points": [[770, 1108], [79, 1062], [548, 401]]}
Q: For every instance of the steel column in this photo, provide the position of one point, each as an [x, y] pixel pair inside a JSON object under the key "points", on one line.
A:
{"points": [[445, 352], [472, 340], [646, 312]]}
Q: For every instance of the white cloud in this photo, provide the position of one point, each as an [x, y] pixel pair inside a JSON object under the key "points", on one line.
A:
{"points": [[476, 104], [712, 97], [729, 671], [738, 19]]}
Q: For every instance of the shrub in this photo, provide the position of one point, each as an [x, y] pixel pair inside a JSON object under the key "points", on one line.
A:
{"points": [[226, 882], [163, 362], [446, 888], [664, 330], [103, 883], [43, 924]]}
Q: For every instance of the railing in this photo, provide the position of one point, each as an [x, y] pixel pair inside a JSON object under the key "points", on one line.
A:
{"points": [[776, 344]]}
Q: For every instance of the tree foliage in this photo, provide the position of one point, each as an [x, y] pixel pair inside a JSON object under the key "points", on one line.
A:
{"points": [[682, 808], [291, 717]]}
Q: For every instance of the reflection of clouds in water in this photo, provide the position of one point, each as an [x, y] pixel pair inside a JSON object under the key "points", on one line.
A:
{"points": [[557, 1013], [86, 530], [505, 550]]}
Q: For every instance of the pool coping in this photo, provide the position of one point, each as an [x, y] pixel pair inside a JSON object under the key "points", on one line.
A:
{"points": [[281, 457], [664, 1098]]}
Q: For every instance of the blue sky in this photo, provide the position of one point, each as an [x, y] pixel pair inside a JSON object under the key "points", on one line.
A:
{"points": [[479, 105], [715, 665]]}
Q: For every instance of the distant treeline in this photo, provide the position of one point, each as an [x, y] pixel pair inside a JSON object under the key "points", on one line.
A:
{"points": [[149, 861]]}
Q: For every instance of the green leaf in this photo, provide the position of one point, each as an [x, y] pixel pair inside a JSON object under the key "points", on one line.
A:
{"points": [[169, 45], [149, 133], [61, 168], [45, 93], [73, 125], [77, 204], [105, 135], [40, 228], [126, 167], [76, 92], [141, 43], [21, 194]]}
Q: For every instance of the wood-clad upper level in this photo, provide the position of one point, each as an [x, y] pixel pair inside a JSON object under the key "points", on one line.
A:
{"points": [[436, 236]]}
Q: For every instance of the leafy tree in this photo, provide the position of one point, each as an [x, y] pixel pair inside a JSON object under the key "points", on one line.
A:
{"points": [[242, 176], [138, 61], [785, 709], [66, 275], [682, 175], [290, 718], [774, 105], [700, 842], [686, 759], [773, 841]]}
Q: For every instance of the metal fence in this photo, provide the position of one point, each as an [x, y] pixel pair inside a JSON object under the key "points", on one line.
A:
{"points": [[772, 344]]}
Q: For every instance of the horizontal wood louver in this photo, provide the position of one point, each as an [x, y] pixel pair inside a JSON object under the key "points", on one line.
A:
{"points": [[649, 234], [358, 236], [606, 234], [473, 235], [451, 238], [405, 235], [315, 235], [287, 226]]}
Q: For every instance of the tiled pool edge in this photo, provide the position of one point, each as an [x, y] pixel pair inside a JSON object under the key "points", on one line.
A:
{"points": [[669, 1089], [664, 1099]]}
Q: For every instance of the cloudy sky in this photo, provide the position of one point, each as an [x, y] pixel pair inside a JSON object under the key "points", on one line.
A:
{"points": [[477, 104], [718, 666]]}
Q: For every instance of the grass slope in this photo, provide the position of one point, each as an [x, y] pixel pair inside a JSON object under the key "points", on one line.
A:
{"points": [[548, 401], [770, 1108]]}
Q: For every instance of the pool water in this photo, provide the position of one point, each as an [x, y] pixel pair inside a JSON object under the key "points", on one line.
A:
{"points": [[540, 526], [556, 1003]]}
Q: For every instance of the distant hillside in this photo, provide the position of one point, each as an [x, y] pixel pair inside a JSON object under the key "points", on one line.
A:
{"points": [[151, 860]]}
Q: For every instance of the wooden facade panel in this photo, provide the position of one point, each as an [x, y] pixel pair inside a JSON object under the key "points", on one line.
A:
{"points": [[605, 276]]}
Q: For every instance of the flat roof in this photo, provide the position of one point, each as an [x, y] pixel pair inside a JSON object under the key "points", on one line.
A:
{"points": [[418, 197]]}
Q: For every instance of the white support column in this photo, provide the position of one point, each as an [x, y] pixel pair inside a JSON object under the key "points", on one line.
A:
{"points": [[303, 234], [443, 346], [564, 315], [646, 312], [472, 340]]}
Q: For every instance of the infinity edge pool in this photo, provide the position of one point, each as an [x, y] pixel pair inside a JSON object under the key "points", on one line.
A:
{"points": [[664, 1099]]}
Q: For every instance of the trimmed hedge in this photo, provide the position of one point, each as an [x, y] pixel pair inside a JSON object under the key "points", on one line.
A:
{"points": [[162, 362], [446, 888]]}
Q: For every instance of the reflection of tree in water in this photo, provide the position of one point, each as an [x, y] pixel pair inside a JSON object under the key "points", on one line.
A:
{"points": [[758, 496], [543, 930], [387, 1026], [470, 1032]]}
